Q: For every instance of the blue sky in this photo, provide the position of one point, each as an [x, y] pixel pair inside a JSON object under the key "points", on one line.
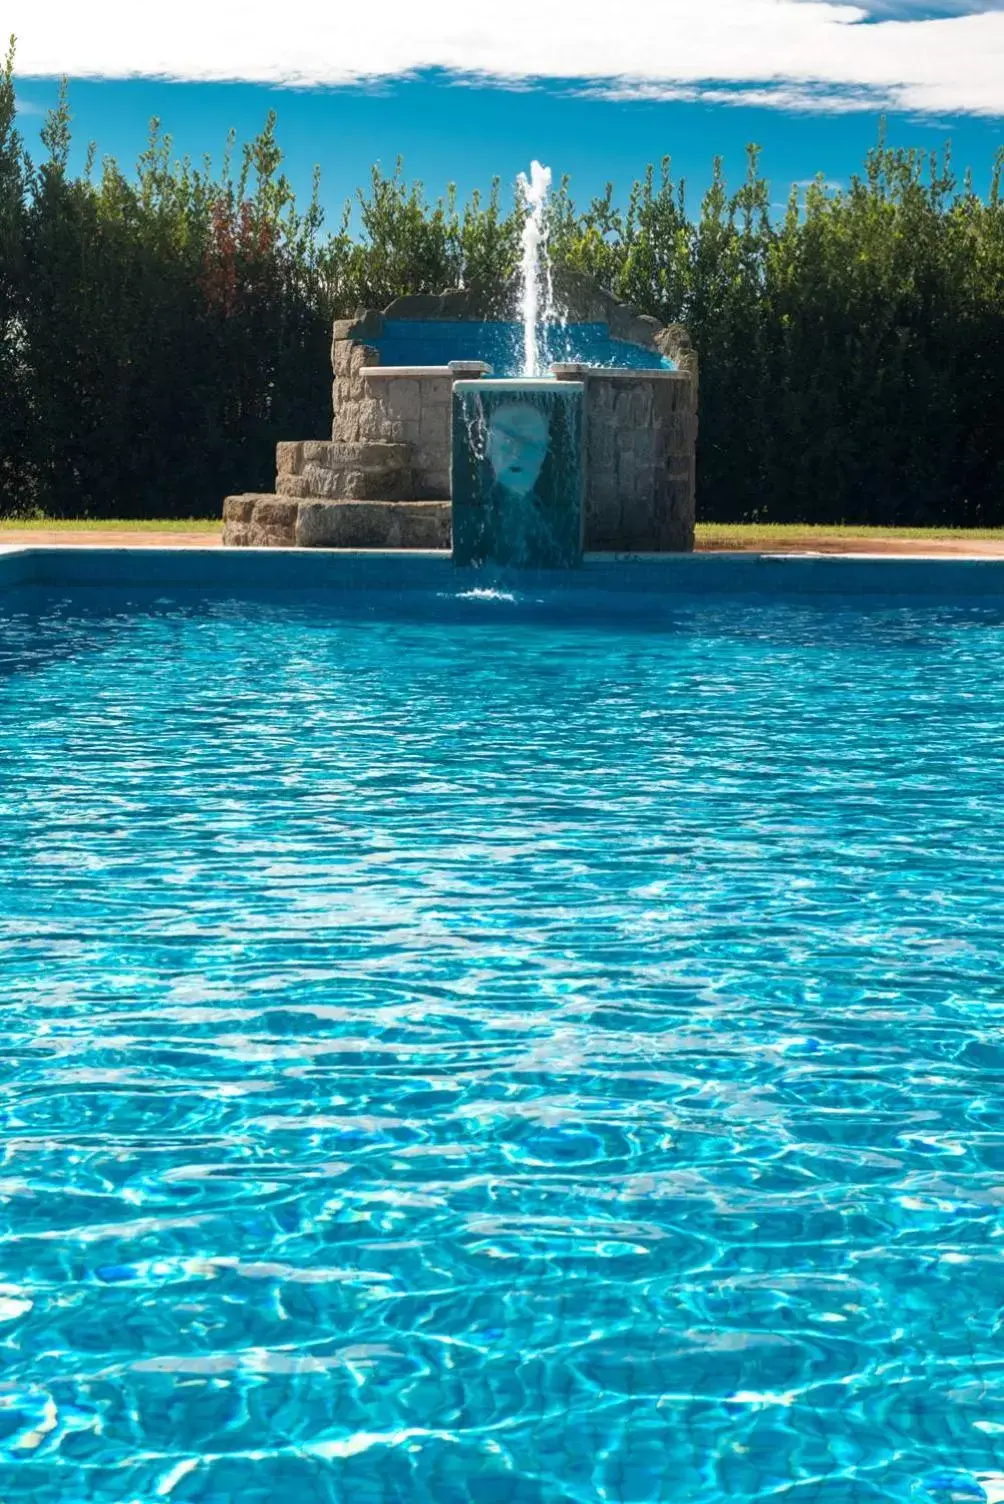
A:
{"points": [[462, 101]]}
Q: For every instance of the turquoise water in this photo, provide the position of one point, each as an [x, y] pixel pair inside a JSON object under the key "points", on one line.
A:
{"points": [[435, 342], [455, 1051]]}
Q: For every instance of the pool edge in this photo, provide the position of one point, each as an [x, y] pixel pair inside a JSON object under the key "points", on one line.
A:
{"points": [[272, 570]]}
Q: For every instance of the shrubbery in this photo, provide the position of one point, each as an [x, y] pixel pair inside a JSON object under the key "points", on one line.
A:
{"points": [[159, 334]]}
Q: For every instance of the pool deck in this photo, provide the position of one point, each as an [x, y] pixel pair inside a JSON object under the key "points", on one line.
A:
{"points": [[912, 548], [38, 537]]}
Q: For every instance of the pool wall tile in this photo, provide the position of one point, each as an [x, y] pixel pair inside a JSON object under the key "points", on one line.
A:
{"points": [[17, 566], [263, 571]]}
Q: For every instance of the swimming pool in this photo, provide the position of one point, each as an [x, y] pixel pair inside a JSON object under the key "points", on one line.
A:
{"points": [[467, 1045]]}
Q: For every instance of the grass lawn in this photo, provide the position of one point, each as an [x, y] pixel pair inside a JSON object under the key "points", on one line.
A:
{"points": [[768, 534], [110, 525], [711, 536]]}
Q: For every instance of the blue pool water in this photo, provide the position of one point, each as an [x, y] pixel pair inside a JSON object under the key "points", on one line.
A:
{"points": [[458, 1051], [435, 342]]}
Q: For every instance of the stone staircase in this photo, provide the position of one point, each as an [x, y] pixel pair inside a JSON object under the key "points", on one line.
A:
{"points": [[338, 495], [330, 471]]}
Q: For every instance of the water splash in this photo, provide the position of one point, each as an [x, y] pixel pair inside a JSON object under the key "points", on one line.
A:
{"points": [[535, 269], [485, 594]]}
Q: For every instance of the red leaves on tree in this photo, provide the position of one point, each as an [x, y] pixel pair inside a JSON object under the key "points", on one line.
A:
{"points": [[238, 254]]}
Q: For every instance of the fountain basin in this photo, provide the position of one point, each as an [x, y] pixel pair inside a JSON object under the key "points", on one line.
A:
{"points": [[498, 343]]}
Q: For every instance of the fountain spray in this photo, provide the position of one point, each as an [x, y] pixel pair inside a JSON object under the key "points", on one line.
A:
{"points": [[535, 267]]}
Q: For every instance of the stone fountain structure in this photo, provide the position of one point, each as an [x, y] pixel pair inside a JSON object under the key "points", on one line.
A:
{"points": [[384, 478]]}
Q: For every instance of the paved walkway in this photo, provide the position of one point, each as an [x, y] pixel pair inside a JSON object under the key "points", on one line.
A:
{"points": [[106, 538], [982, 548]]}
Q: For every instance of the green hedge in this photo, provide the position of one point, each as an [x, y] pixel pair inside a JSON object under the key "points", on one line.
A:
{"points": [[159, 333]]}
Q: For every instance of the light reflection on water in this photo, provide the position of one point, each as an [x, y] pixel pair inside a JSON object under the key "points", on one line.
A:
{"points": [[521, 1057]]}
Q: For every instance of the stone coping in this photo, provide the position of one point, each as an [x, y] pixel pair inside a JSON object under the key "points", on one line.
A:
{"points": [[455, 368], [380, 373], [562, 373], [623, 578]]}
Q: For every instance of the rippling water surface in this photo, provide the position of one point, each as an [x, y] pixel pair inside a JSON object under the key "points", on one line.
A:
{"points": [[455, 1051]]}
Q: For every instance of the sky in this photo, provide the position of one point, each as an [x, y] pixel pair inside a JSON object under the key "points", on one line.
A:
{"points": [[465, 92]]}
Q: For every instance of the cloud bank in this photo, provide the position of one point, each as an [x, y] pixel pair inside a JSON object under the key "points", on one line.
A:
{"points": [[785, 54]]}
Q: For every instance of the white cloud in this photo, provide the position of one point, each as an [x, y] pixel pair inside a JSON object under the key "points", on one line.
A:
{"points": [[796, 98], [786, 54]]}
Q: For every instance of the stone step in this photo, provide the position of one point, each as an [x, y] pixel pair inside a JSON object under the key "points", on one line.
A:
{"points": [[347, 483], [359, 471], [258, 519], [374, 524], [262, 520], [370, 454]]}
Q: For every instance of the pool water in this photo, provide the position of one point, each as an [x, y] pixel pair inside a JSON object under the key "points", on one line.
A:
{"points": [[459, 1050], [435, 342]]}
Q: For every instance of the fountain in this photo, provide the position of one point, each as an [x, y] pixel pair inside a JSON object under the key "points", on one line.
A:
{"points": [[485, 417], [518, 472]]}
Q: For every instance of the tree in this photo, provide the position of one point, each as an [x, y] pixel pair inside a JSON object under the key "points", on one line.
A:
{"points": [[16, 491]]}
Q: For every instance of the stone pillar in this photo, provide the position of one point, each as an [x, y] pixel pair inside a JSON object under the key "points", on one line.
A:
{"points": [[350, 353], [641, 433]]}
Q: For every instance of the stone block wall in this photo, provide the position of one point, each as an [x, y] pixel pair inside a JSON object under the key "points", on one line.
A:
{"points": [[641, 436], [408, 405], [412, 405]]}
